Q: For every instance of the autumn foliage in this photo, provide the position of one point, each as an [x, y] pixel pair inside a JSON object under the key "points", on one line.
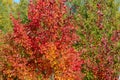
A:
{"points": [[42, 48], [62, 40]]}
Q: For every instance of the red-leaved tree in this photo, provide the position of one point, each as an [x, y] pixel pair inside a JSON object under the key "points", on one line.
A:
{"points": [[43, 47]]}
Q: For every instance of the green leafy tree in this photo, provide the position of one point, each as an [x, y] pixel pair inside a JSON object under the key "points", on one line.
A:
{"points": [[5, 8], [21, 10], [99, 29]]}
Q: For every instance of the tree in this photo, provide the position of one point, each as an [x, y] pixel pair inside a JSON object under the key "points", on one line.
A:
{"points": [[8, 7], [98, 22], [21, 10], [5, 22], [42, 48]]}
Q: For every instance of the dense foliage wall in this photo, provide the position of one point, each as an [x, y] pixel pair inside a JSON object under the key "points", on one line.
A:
{"points": [[60, 40], [42, 48], [99, 29]]}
